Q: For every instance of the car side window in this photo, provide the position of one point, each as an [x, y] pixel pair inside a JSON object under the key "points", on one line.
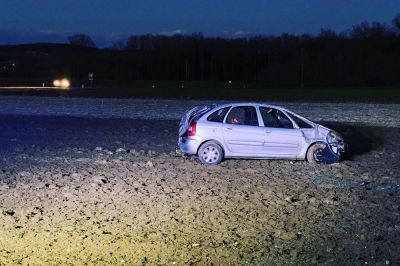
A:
{"points": [[300, 122], [219, 115], [275, 118], [243, 115]]}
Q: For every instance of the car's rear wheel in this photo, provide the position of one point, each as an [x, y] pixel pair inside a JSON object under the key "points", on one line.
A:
{"points": [[210, 153], [314, 153]]}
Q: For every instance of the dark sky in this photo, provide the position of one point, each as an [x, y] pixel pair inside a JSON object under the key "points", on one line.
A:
{"points": [[108, 21]]}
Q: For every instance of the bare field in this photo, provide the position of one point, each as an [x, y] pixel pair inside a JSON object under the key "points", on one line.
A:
{"points": [[97, 190], [375, 114]]}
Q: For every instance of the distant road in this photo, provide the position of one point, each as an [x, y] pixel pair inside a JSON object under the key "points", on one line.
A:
{"points": [[26, 88]]}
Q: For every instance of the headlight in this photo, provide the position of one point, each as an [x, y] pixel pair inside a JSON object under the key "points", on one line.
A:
{"points": [[65, 83], [336, 142], [57, 83], [333, 137]]}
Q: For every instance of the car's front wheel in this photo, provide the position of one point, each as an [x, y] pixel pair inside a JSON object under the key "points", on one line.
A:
{"points": [[210, 153], [314, 154]]}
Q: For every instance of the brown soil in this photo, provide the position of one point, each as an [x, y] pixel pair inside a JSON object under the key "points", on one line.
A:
{"points": [[69, 203]]}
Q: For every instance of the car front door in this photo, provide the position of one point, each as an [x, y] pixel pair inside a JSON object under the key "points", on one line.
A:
{"points": [[282, 140], [241, 132]]}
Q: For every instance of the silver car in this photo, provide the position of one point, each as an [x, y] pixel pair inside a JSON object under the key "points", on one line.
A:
{"points": [[257, 131]]}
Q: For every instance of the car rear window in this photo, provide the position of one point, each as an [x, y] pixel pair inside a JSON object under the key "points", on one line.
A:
{"points": [[219, 115], [243, 115]]}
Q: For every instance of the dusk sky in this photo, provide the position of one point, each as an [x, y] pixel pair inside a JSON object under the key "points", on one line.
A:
{"points": [[24, 21]]}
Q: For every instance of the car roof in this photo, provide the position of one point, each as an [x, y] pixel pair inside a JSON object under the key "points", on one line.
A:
{"points": [[234, 104]]}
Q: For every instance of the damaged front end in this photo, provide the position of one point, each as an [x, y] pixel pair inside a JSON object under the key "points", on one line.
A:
{"points": [[333, 151]]}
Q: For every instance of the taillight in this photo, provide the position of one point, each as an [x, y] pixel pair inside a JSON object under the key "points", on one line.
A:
{"points": [[192, 129]]}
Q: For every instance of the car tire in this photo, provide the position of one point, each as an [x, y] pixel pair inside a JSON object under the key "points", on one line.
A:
{"points": [[210, 153], [312, 152]]}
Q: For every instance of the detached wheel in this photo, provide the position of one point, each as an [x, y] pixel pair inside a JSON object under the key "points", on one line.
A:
{"points": [[314, 153], [210, 153]]}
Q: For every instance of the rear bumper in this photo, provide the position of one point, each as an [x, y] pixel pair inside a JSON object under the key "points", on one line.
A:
{"points": [[188, 145]]}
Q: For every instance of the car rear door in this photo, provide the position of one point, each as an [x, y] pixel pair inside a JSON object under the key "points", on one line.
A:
{"points": [[241, 132]]}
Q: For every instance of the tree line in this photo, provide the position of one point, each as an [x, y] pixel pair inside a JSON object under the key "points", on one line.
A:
{"points": [[366, 55]]}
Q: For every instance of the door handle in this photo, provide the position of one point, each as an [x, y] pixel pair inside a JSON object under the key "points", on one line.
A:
{"points": [[229, 128], [267, 131]]}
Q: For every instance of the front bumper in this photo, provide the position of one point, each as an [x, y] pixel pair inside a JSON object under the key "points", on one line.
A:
{"points": [[332, 153]]}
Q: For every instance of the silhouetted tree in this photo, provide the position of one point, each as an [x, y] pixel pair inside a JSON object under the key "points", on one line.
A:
{"points": [[396, 23], [327, 33], [82, 40], [367, 30], [366, 55]]}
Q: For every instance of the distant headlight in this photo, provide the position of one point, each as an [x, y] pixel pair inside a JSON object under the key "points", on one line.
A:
{"points": [[57, 83], [65, 83]]}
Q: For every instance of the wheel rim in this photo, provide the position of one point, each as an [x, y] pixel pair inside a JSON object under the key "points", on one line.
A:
{"points": [[210, 154], [318, 157]]}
